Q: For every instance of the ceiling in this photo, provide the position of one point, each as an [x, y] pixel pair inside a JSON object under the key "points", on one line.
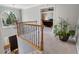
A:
{"points": [[21, 6]]}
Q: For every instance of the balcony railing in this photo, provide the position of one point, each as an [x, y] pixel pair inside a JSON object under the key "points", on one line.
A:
{"points": [[32, 33]]}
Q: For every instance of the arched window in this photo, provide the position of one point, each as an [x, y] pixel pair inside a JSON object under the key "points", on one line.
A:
{"points": [[8, 18]]}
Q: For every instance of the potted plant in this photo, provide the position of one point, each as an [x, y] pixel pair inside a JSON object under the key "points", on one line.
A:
{"points": [[62, 30]]}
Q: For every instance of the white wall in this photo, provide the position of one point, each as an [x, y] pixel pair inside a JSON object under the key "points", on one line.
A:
{"points": [[33, 13], [1, 40], [69, 12]]}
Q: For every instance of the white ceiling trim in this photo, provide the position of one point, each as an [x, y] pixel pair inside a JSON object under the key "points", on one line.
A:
{"points": [[21, 6]]}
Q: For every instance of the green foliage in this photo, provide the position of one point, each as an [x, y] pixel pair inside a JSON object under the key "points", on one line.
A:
{"points": [[3, 22], [8, 21], [62, 29], [11, 18]]}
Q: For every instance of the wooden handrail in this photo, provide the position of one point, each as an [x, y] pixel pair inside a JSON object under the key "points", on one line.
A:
{"points": [[29, 22], [36, 27]]}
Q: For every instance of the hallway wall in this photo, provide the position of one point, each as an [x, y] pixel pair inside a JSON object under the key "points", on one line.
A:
{"points": [[1, 40], [69, 12], [34, 13]]}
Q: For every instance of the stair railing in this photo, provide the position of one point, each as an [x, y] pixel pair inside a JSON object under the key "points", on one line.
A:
{"points": [[32, 33]]}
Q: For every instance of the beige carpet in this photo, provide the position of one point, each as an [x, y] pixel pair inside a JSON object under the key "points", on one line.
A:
{"points": [[52, 45]]}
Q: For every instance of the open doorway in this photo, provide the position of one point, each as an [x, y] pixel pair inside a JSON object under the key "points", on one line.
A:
{"points": [[47, 17]]}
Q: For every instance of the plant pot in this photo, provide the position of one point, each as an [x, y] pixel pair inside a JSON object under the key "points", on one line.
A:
{"points": [[64, 38]]}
